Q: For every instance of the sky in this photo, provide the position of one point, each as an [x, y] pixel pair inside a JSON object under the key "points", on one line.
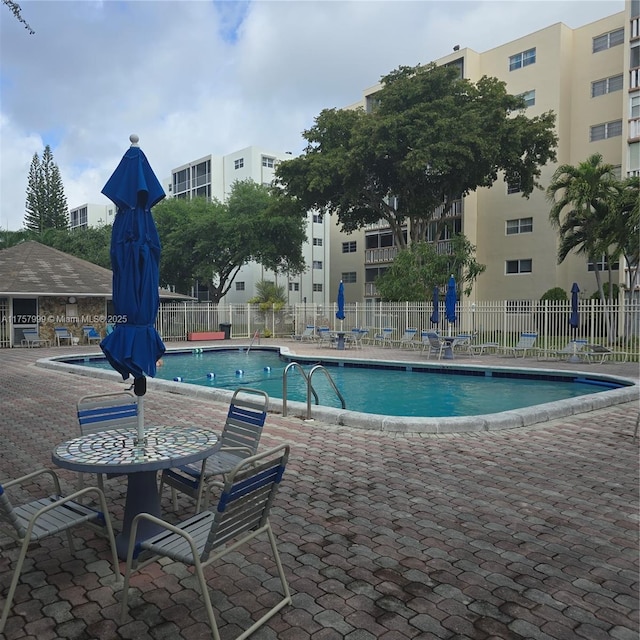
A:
{"points": [[199, 77]]}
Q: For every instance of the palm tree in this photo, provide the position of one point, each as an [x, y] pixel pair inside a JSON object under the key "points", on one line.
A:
{"points": [[582, 198]]}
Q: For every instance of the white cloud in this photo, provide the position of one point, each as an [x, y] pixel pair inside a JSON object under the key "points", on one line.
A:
{"points": [[193, 78]]}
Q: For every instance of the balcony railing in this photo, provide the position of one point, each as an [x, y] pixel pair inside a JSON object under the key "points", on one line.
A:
{"points": [[375, 256]]}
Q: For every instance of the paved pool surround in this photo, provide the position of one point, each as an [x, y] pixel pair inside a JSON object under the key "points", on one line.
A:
{"points": [[513, 419]]}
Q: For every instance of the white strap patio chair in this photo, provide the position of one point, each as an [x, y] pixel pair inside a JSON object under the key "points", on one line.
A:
{"points": [[242, 514], [43, 517]]}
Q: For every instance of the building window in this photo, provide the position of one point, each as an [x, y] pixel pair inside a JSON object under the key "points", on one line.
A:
{"points": [[239, 163], [606, 85], [529, 98], [349, 277], [606, 130], [519, 266], [239, 286], [317, 264], [317, 242], [268, 162], [608, 40], [317, 286], [634, 106], [349, 247], [603, 265], [294, 286], [513, 187], [317, 217], [520, 225], [523, 59]]}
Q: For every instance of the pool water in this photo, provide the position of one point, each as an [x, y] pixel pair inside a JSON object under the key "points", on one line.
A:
{"points": [[386, 390]]}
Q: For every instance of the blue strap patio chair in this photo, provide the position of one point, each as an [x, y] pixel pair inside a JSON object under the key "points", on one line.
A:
{"points": [[241, 515], [91, 334], [239, 440], [103, 412]]}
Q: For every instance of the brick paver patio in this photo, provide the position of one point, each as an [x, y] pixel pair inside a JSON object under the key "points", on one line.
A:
{"points": [[524, 533]]}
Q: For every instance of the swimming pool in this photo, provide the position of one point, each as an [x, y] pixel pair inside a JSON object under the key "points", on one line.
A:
{"points": [[386, 394]]}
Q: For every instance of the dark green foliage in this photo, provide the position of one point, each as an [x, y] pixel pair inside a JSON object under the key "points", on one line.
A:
{"points": [[46, 205], [15, 8], [211, 241], [556, 294], [432, 138], [417, 270]]}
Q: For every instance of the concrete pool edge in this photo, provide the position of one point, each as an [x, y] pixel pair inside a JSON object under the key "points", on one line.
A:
{"points": [[513, 419]]}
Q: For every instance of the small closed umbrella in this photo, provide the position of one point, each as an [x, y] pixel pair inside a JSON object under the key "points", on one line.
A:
{"points": [[134, 347], [450, 301], [435, 315], [340, 311], [574, 318]]}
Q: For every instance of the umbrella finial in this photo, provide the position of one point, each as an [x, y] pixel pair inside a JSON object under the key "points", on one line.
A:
{"points": [[134, 140]]}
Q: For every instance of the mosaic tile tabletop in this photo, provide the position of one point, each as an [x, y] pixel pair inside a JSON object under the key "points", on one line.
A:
{"points": [[116, 451]]}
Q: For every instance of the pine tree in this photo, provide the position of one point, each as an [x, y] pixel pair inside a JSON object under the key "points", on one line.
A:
{"points": [[46, 205]]}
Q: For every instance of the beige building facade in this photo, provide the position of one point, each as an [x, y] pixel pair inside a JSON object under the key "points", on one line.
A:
{"points": [[589, 77]]}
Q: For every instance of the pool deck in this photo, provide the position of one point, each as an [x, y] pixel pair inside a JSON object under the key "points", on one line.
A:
{"points": [[529, 532]]}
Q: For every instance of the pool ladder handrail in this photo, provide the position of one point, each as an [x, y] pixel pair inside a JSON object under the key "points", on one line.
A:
{"points": [[255, 335], [310, 389]]}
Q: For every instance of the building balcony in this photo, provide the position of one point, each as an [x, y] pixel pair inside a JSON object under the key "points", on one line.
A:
{"points": [[376, 256], [634, 78], [634, 129]]}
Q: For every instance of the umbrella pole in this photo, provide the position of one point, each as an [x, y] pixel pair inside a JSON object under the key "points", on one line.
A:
{"points": [[140, 439]]}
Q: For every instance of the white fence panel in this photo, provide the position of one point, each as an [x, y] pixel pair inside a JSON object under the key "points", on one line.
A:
{"points": [[500, 321]]}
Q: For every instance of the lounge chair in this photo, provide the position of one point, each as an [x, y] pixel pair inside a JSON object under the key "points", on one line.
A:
{"points": [[599, 354], [463, 343], [241, 515], [43, 517], [103, 412], [31, 338], [91, 334], [525, 344], [383, 339], [308, 334], [572, 348], [239, 440], [407, 339], [62, 333]]}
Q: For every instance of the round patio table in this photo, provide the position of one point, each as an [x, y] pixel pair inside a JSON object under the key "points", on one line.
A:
{"points": [[115, 452]]}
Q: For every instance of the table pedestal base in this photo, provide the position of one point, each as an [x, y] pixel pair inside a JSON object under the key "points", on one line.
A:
{"points": [[142, 497]]}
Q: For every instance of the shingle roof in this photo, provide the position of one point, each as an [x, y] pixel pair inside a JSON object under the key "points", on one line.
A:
{"points": [[31, 268]]}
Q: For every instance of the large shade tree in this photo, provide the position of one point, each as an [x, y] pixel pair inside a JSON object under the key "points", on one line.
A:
{"points": [[430, 138], [210, 241]]}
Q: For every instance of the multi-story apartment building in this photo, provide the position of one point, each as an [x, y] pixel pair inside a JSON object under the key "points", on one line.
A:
{"points": [[590, 78], [213, 177], [91, 215]]}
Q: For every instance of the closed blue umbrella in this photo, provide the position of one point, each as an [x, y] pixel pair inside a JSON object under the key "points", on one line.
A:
{"points": [[134, 347], [340, 311], [451, 300], [574, 318], [435, 315]]}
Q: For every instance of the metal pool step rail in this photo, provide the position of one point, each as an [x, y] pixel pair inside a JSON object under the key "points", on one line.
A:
{"points": [[310, 389]]}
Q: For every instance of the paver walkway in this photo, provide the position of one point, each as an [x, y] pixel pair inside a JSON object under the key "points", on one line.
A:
{"points": [[526, 533]]}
